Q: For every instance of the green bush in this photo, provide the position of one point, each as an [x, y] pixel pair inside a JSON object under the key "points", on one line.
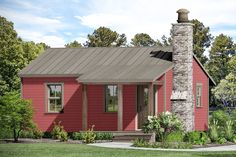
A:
{"points": [[26, 134], [221, 116], [196, 137], [89, 136], [140, 142], [77, 136], [5, 133], [175, 137], [37, 134], [233, 118], [58, 132], [64, 136], [213, 130], [104, 136], [162, 125], [221, 140], [234, 139]]}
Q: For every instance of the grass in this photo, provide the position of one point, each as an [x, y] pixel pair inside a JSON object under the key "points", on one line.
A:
{"points": [[79, 150]]}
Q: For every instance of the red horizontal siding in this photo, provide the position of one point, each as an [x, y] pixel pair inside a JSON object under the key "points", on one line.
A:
{"points": [[96, 110], [129, 107], [34, 89], [201, 114]]}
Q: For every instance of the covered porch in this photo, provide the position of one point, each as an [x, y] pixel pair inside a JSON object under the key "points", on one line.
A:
{"points": [[127, 104]]}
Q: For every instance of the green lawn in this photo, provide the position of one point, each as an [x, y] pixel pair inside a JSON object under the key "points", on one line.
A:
{"points": [[79, 150]]}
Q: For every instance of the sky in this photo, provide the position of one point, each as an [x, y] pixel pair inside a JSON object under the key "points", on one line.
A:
{"points": [[57, 22]]}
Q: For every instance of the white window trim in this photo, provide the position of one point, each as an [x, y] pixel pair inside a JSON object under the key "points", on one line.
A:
{"points": [[47, 96], [199, 85]]}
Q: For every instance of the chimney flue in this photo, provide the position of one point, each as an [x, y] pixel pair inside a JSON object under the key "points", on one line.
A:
{"points": [[182, 16]]}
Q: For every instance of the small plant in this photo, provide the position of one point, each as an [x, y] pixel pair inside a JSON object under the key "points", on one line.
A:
{"points": [[89, 136], [37, 134], [140, 142], [228, 130], [104, 136], [220, 116], [196, 137], [234, 139], [175, 137], [162, 125], [221, 140], [213, 130], [77, 136], [58, 132]]}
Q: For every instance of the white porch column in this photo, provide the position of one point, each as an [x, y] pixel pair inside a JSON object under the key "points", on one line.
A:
{"points": [[120, 107]]}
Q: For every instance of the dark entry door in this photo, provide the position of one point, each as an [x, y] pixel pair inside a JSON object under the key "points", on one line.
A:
{"points": [[142, 104]]}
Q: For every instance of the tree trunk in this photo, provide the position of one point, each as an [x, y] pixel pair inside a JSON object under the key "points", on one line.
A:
{"points": [[15, 135]]}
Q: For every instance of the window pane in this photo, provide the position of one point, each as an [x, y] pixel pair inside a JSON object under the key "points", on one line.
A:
{"points": [[111, 98], [58, 105], [52, 105], [54, 97]]}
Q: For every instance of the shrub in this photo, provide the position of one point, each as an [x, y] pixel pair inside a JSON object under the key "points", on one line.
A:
{"points": [[162, 125], [221, 116], [58, 132], [234, 139], [228, 130], [37, 134], [64, 136], [77, 136], [140, 142], [213, 130], [196, 137], [175, 137], [89, 136], [104, 136], [221, 140]]}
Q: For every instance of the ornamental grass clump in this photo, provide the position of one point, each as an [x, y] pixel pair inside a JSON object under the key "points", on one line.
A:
{"points": [[58, 132], [162, 125], [213, 130]]}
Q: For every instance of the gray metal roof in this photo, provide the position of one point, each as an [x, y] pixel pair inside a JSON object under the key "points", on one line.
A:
{"points": [[100, 64], [104, 64]]}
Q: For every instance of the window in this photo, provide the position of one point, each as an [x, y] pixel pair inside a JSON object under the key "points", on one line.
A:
{"points": [[111, 98], [199, 95], [54, 92]]}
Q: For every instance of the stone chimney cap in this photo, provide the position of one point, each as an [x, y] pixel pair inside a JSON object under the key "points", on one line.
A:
{"points": [[182, 16]]}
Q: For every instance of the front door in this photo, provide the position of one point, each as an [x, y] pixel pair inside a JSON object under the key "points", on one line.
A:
{"points": [[142, 104]]}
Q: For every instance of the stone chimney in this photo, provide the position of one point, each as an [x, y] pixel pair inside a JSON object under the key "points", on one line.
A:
{"points": [[182, 102]]}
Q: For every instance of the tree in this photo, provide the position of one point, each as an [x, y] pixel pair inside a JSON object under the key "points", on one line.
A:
{"points": [[164, 41], [11, 54], [232, 65], [142, 39], [15, 114], [226, 90], [31, 50], [14, 55], [45, 46], [105, 37], [74, 44], [220, 53], [201, 40]]}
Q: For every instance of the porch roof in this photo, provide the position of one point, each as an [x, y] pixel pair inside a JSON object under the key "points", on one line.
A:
{"points": [[95, 65]]}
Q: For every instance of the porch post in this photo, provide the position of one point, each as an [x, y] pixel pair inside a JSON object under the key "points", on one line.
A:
{"points": [[120, 108], [150, 100], [84, 107]]}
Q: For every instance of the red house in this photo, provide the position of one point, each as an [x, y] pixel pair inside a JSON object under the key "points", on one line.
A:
{"points": [[115, 89]]}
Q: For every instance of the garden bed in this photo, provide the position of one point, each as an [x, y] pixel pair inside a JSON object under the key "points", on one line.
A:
{"points": [[47, 140]]}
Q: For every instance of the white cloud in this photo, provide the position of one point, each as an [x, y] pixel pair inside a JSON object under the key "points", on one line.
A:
{"points": [[155, 17], [51, 40]]}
